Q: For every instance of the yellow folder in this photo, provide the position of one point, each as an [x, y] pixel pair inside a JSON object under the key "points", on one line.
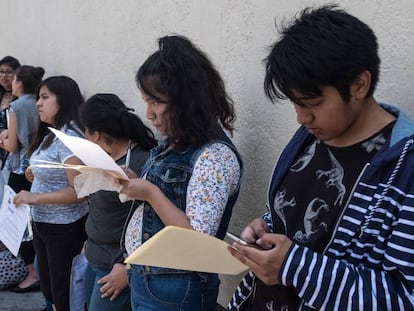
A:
{"points": [[179, 248]]}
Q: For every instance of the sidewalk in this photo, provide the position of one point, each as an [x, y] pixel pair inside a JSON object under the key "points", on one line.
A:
{"points": [[34, 301], [10, 301]]}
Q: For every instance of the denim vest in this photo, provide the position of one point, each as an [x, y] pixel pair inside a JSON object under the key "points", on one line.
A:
{"points": [[171, 171]]}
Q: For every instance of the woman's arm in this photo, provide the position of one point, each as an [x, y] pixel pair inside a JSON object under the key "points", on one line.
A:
{"points": [[215, 177], [9, 139], [219, 170], [63, 196], [143, 190]]}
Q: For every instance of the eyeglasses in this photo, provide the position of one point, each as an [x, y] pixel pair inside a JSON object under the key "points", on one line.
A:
{"points": [[6, 73]]}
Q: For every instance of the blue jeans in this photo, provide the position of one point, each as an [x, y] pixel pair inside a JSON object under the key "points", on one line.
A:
{"points": [[194, 291], [93, 294]]}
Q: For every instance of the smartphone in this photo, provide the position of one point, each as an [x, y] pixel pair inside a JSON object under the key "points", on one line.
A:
{"points": [[241, 241]]}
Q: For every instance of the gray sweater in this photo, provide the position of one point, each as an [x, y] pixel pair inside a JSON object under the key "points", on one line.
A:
{"points": [[107, 217], [27, 121]]}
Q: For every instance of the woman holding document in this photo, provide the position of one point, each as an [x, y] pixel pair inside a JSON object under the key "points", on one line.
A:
{"points": [[122, 134], [191, 179], [23, 122], [58, 215]]}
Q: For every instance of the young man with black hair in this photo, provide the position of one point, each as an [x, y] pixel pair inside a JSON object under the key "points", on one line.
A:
{"points": [[338, 234]]}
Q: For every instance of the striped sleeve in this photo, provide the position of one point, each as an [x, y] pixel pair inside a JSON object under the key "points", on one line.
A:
{"points": [[242, 293], [336, 285], [267, 217], [373, 272]]}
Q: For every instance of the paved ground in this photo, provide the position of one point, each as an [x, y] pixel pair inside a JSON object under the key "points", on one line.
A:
{"points": [[34, 301], [10, 301]]}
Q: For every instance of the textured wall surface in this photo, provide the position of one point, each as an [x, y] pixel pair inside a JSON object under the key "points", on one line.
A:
{"points": [[101, 43]]}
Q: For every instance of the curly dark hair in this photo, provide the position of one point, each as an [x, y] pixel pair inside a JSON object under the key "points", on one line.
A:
{"points": [[197, 102]]}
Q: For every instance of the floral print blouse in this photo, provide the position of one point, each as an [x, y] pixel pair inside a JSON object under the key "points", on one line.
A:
{"points": [[215, 177]]}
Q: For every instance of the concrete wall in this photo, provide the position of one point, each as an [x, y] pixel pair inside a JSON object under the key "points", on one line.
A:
{"points": [[101, 43]]}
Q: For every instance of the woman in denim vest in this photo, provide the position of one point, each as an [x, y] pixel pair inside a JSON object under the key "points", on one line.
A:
{"points": [[191, 179]]}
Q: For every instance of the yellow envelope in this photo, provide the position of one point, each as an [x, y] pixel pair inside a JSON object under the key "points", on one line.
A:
{"points": [[179, 248]]}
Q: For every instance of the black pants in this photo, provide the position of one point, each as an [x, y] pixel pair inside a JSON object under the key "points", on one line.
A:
{"points": [[55, 246]]}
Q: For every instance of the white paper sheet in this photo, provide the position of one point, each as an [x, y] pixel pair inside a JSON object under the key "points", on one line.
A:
{"points": [[13, 221], [90, 153]]}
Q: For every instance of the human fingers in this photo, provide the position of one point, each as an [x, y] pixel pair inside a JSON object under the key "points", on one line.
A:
{"points": [[254, 230], [107, 294], [130, 173], [129, 186], [279, 241], [235, 251], [16, 200], [270, 265], [248, 255], [103, 280], [136, 188], [106, 290], [266, 264], [4, 135], [19, 198], [114, 295], [29, 174]]}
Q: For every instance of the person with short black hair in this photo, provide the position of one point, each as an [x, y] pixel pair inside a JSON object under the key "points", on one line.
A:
{"points": [[338, 232]]}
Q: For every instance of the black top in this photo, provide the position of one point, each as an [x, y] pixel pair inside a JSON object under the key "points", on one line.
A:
{"points": [[107, 217], [309, 202]]}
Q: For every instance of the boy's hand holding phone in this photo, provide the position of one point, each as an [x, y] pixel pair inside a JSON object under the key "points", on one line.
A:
{"points": [[243, 242]]}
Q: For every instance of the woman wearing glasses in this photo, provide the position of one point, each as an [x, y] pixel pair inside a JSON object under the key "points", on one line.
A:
{"points": [[8, 66], [23, 121]]}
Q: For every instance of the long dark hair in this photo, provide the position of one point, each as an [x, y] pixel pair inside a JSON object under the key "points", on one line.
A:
{"points": [[69, 99], [197, 101], [31, 77], [107, 113]]}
